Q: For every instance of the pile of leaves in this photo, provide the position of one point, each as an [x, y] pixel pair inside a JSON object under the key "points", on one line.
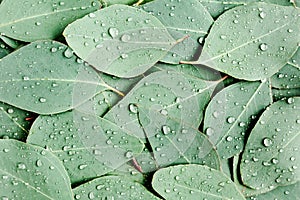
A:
{"points": [[163, 99]]}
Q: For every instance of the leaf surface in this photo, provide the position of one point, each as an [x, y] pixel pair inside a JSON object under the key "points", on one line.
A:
{"points": [[194, 182], [271, 157], [119, 40], [241, 42], [112, 187], [36, 20], [46, 78], [230, 112], [88, 145], [31, 172]]}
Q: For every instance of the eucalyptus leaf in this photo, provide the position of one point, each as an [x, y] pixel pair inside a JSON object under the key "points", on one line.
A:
{"points": [[119, 40], [84, 143], [215, 8], [10, 42], [174, 142], [180, 21], [271, 157], [44, 77], [241, 42], [286, 78], [227, 117], [13, 123], [112, 187], [35, 20], [31, 172], [284, 192], [194, 182]]}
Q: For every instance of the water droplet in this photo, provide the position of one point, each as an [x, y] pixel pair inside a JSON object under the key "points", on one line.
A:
{"points": [[42, 100], [133, 108], [263, 46], [21, 166], [82, 166], [274, 160], [39, 163], [262, 15], [267, 142], [123, 56], [230, 120], [68, 53], [229, 138], [37, 23], [10, 111], [26, 78], [125, 38], [91, 195], [164, 112], [128, 154], [290, 100], [165, 129], [92, 15], [209, 131], [53, 49], [113, 32]]}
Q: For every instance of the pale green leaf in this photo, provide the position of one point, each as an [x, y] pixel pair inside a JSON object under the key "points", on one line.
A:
{"points": [[181, 18], [230, 113], [194, 182], [119, 40], [271, 157], [46, 78], [13, 123], [241, 42], [88, 145], [30, 172], [286, 78], [35, 20], [112, 187]]}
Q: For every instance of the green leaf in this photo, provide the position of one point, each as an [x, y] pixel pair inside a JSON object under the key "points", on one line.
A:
{"points": [[174, 142], [13, 123], [171, 93], [112, 187], [173, 14], [284, 192], [88, 145], [194, 182], [241, 42], [10, 42], [215, 8], [271, 157], [119, 40], [35, 20], [30, 172], [287, 77], [44, 77], [279, 94], [227, 117]]}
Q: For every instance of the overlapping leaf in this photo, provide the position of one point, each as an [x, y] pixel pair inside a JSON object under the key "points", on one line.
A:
{"points": [[112, 187], [230, 113], [194, 182], [271, 157], [241, 42], [180, 21], [84, 143], [35, 20], [44, 77], [31, 172], [119, 40]]}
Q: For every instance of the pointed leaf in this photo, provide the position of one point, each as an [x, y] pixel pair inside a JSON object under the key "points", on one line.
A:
{"points": [[45, 78], [119, 40], [287, 77], [271, 157], [31, 172], [88, 145], [13, 123], [241, 42], [35, 20], [227, 117], [194, 182], [173, 14], [112, 187]]}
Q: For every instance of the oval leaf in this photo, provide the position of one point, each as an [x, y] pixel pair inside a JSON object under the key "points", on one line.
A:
{"points": [[112, 187], [194, 182], [88, 145], [287, 77], [119, 40], [271, 157], [241, 42], [33, 20], [172, 14], [227, 117], [31, 172], [44, 77]]}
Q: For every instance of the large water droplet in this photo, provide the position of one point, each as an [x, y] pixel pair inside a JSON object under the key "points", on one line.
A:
{"points": [[262, 15], [267, 142], [263, 46], [113, 32], [133, 108], [209, 131], [165, 129]]}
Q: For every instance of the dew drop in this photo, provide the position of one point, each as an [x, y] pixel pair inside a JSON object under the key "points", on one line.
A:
{"points": [[125, 38], [21, 166], [68, 53], [113, 32], [267, 142], [129, 154], [133, 108], [262, 15], [230, 120], [10, 111], [82, 166], [263, 46], [166, 129], [42, 100], [209, 131], [39, 163], [229, 138]]}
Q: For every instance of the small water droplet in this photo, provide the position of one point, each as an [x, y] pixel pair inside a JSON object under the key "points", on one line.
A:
{"points": [[164, 112], [113, 32], [129, 154], [230, 120], [125, 38], [133, 108], [263, 46], [92, 15], [39, 163], [209, 131], [262, 15], [42, 100], [21, 166], [267, 142], [68, 53], [82, 166], [166, 129], [53, 49], [10, 110], [229, 138], [290, 100]]}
